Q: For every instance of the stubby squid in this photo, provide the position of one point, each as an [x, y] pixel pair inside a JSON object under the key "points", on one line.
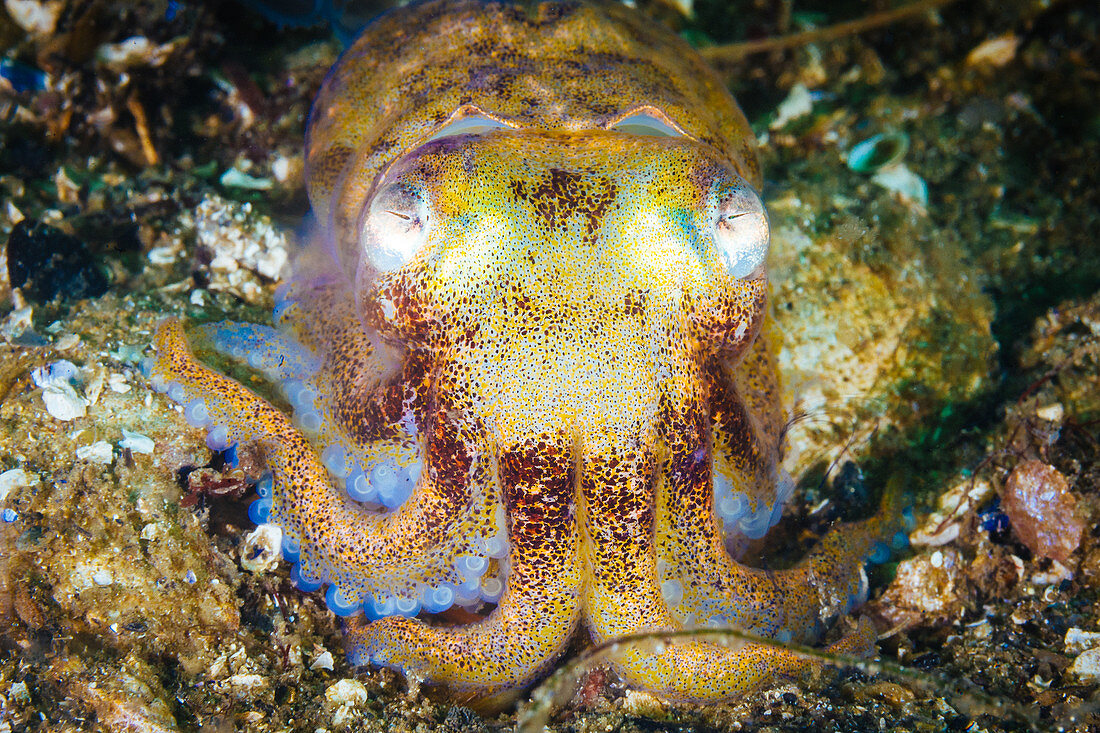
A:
{"points": [[528, 359]]}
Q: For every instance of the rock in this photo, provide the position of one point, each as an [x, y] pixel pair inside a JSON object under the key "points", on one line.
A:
{"points": [[136, 442], [37, 17], [262, 549], [928, 588], [244, 248], [1043, 510], [994, 52], [1087, 666], [1079, 640], [45, 262], [347, 692], [864, 348], [58, 393], [15, 478]]}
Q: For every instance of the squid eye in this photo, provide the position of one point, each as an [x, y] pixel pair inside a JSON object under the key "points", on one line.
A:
{"points": [[395, 227], [472, 125], [741, 231], [645, 124]]}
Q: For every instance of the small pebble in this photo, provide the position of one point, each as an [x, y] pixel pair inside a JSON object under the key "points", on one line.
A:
{"points": [[904, 182], [36, 17], [235, 178], [20, 693], [323, 661], [98, 452], [893, 693], [280, 168], [68, 341], [246, 683], [134, 52], [1054, 412], [1079, 640], [1087, 666], [15, 478], [798, 104], [995, 52], [136, 442], [347, 692], [644, 704], [1043, 510], [163, 255], [117, 383], [262, 548]]}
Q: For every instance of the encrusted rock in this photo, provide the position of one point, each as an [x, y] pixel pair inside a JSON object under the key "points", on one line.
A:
{"points": [[927, 588], [1087, 666], [262, 549], [1079, 640], [853, 336], [347, 697], [1043, 510], [245, 248]]}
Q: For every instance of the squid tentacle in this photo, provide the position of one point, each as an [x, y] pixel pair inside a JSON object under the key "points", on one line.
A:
{"points": [[707, 587], [622, 597], [430, 552], [540, 607]]}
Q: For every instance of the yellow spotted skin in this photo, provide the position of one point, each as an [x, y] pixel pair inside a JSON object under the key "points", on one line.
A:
{"points": [[560, 401]]}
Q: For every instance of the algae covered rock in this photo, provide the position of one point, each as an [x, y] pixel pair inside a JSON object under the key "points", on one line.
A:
{"points": [[884, 326], [106, 549]]}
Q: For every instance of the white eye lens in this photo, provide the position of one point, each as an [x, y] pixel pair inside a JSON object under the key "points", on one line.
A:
{"points": [[643, 124], [396, 226], [741, 231]]}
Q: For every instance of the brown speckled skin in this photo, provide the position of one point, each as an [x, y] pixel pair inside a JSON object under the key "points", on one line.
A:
{"points": [[566, 357]]}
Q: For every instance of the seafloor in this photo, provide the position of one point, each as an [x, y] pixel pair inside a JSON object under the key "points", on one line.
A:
{"points": [[941, 315]]}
